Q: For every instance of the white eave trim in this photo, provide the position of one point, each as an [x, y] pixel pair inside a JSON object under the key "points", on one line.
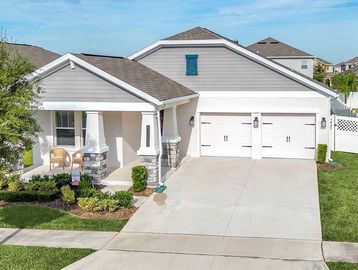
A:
{"points": [[239, 49], [70, 58]]}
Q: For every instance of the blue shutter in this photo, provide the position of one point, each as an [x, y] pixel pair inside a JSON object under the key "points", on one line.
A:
{"points": [[191, 64]]}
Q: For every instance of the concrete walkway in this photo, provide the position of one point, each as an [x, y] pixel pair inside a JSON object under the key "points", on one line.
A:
{"points": [[340, 252], [56, 238]]}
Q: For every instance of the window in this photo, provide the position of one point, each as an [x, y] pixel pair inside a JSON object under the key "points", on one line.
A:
{"points": [[304, 64], [65, 128], [84, 121], [343, 68], [191, 64]]}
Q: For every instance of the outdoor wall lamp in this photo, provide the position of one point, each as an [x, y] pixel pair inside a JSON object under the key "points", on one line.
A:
{"points": [[192, 121], [323, 123], [256, 122]]}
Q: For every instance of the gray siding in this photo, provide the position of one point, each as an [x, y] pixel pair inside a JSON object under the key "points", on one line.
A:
{"points": [[219, 69], [81, 85]]}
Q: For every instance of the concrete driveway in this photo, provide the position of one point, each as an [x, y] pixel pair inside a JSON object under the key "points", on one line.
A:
{"points": [[220, 208], [236, 197]]}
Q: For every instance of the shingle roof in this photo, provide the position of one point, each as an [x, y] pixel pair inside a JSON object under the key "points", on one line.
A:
{"points": [[197, 33], [353, 60], [323, 61], [37, 55], [270, 47], [139, 76]]}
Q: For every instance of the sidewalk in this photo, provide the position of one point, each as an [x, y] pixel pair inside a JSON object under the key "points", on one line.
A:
{"points": [[56, 238]]}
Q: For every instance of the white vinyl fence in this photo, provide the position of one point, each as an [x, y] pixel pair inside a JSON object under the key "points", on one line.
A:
{"points": [[344, 134]]}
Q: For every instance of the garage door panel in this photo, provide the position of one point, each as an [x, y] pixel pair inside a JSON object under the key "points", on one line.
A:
{"points": [[226, 135], [288, 136]]}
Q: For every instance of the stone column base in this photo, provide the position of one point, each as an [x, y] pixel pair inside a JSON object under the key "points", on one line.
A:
{"points": [[95, 165], [152, 165], [170, 157]]}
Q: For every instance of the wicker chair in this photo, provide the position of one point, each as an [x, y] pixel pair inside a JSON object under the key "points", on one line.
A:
{"points": [[77, 158], [58, 155]]}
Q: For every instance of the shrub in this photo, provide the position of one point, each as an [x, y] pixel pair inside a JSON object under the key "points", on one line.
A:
{"points": [[15, 186], [109, 205], [90, 204], [86, 182], [27, 196], [139, 175], [321, 153], [13, 178], [103, 195], [4, 183], [40, 178], [62, 179], [68, 195], [124, 198], [41, 186], [87, 192]]}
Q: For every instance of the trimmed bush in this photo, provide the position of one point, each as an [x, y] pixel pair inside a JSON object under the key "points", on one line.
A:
{"points": [[27, 196], [124, 198], [61, 179], [15, 186], [41, 186], [109, 205], [139, 177], [87, 192], [68, 195], [90, 204], [86, 182], [321, 153]]}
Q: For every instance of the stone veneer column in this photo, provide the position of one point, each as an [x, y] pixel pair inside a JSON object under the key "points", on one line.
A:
{"points": [[170, 139], [149, 147], [95, 150]]}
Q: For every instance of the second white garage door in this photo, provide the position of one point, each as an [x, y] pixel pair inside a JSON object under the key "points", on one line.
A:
{"points": [[226, 135], [288, 135]]}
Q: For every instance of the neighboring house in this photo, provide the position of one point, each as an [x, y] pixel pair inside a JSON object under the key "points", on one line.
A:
{"points": [[216, 98], [347, 65], [37, 55], [328, 66], [284, 54]]}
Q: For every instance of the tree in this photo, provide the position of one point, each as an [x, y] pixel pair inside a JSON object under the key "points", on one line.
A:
{"points": [[319, 73], [18, 104], [345, 83]]}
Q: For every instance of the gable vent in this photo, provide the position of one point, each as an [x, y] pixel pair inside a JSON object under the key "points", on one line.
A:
{"points": [[274, 42], [261, 42]]}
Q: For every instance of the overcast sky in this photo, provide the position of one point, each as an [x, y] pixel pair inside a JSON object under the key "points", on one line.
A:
{"points": [[324, 28]]}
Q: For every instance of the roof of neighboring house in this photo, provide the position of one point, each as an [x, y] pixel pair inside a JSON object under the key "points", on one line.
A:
{"points": [[323, 61], [138, 76], [37, 55], [197, 33], [354, 70], [270, 47], [353, 60]]}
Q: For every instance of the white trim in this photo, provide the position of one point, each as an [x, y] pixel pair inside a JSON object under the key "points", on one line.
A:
{"points": [[258, 110], [298, 94], [238, 49], [96, 106], [291, 57]]}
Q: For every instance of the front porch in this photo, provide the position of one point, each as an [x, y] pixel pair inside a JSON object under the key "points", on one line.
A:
{"points": [[111, 142]]}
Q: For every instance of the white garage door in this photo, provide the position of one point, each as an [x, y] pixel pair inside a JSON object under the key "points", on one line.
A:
{"points": [[288, 135], [226, 135]]}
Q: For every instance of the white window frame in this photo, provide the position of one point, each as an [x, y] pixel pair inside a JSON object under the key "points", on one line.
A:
{"points": [[304, 64], [64, 128]]}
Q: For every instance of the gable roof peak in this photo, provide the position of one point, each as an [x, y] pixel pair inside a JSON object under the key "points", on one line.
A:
{"points": [[196, 33]]}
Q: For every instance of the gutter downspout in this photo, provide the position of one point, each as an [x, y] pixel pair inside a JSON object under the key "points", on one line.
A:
{"points": [[160, 151]]}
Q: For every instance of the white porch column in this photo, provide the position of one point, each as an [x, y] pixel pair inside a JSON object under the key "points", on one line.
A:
{"points": [[170, 138], [256, 145], [95, 150], [149, 147]]}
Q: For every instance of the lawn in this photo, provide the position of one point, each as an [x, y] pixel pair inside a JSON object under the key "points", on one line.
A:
{"points": [[40, 217], [342, 266], [39, 258], [28, 159], [339, 199]]}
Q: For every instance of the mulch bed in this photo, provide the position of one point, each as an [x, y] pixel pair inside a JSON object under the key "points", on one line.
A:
{"points": [[145, 193], [328, 166], [123, 213]]}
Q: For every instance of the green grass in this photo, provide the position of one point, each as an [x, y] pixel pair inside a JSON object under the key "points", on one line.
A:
{"points": [[28, 158], [339, 199], [39, 258], [39, 217], [342, 266]]}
